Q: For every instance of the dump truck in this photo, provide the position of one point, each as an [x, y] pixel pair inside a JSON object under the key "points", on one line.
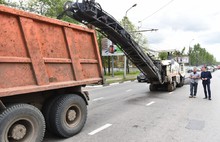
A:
{"points": [[44, 63], [161, 74]]}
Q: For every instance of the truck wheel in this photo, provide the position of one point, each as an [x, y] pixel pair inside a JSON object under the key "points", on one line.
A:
{"points": [[181, 82], [174, 85], [170, 87], [152, 87], [68, 115], [21, 123], [46, 110]]}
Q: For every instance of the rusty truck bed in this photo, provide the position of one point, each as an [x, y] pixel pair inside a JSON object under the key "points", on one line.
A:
{"points": [[39, 53]]}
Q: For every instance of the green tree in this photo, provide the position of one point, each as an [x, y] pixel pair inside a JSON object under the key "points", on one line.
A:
{"points": [[183, 51], [163, 55], [8, 3], [50, 8], [174, 54], [2, 1], [199, 56], [133, 31]]}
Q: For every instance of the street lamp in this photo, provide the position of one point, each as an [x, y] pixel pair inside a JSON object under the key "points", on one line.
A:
{"points": [[125, 58], [130, 9]]}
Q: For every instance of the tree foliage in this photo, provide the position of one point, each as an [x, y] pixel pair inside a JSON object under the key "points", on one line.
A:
{"points": [[163, 55], [199, 56], [133, 31], [2, 1], [49, 8]]}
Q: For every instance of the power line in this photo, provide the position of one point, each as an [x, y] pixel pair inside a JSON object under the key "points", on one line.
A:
{"points": [[156, 11]]}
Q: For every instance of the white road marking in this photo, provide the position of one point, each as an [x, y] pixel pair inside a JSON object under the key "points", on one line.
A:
{"points": [[95, 86], [129, 90], [114, 84], [98, 99], [100, 129], [150, 103], [127, 81], [171, 93]]}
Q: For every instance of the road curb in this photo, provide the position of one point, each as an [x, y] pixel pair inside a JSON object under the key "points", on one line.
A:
{"points": [[111, 84]]}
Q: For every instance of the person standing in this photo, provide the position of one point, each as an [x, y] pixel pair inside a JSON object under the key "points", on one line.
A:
{"points": [[206, 76], [194, 78]]}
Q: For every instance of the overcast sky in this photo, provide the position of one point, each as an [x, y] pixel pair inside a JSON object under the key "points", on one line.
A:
{"points": [[181, 23]]}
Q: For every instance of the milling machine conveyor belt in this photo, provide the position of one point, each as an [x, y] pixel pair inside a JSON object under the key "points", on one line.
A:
{"points": [[89, 12]]}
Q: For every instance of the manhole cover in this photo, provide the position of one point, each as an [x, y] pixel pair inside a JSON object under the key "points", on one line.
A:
{"points": [[195, 125]]}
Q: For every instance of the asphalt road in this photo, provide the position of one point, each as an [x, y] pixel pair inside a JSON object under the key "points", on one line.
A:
{"points": [[129, 112]]}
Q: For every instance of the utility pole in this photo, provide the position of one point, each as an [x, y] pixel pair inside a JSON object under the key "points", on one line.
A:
{"points": [[125, 58]]}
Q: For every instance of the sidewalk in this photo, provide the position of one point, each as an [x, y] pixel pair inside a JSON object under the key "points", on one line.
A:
{"points": [[119, 78]]}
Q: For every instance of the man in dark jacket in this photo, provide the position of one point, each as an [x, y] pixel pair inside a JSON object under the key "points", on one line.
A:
{"points": [[206, 76]]}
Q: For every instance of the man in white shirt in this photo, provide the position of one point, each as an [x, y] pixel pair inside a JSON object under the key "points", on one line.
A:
{"points": [[194, 78]]}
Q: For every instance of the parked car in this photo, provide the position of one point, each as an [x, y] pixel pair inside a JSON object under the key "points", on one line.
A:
{"points": [[215, 68], [142, 78], [189, 69], [210, 68]]}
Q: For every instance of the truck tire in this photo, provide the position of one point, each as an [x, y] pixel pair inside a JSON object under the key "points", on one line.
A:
{"points": [[170, 87], [68, 115], [152, 87], [21, 123], [174, 85], [182, 79], [46, 110]]}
